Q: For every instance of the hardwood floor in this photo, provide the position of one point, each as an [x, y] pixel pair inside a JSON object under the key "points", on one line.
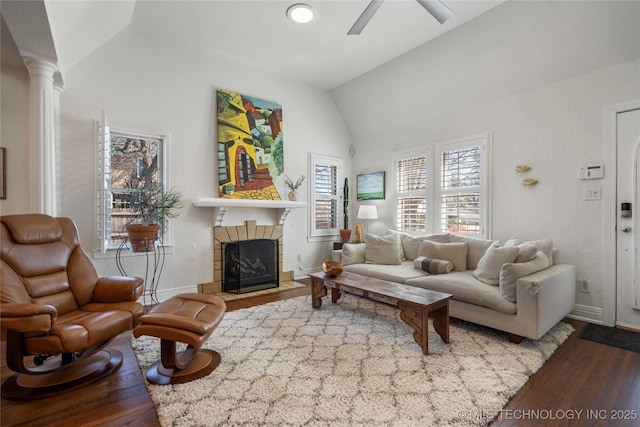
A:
{"points": [[580, 375]]}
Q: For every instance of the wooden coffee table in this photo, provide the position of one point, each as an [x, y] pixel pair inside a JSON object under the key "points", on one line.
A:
{"points": [[415, 304]]}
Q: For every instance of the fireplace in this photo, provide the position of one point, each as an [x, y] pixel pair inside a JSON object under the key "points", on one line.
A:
{"points": [[250, 265]]}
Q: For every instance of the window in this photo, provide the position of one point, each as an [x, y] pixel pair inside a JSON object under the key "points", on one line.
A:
{"points": [[447, 191], [126, 160], [325, 173], [412, 191]]}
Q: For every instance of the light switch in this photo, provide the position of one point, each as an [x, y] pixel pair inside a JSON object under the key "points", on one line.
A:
{"points": [[590, 194]]}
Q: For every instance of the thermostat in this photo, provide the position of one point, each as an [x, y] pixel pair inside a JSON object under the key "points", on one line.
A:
{"points": [[591, 172]]}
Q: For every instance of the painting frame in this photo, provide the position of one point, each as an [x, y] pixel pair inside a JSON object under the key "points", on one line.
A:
{"points": [[3, 173], [370, 186]]}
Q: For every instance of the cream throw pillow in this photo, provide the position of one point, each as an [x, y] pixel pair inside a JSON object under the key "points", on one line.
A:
{"points": [[353, 253], [411, 244], [454, 252], [383, 250], [488, 270], [511, 272]]}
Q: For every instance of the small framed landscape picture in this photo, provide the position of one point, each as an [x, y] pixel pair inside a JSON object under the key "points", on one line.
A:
{"points": [[370, 186]]}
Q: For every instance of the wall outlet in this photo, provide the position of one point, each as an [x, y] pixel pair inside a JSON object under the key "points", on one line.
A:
{"points": [[583, 285], [299, 257]]}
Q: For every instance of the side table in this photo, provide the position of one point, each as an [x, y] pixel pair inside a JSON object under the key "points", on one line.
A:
{"points": [[154, 268]]}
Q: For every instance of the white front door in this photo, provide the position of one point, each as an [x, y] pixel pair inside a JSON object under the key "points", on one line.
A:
{"points": [[628, 220]]}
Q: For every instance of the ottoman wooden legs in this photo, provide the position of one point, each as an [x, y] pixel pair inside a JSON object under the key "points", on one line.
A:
{"points": [[186, 318]]}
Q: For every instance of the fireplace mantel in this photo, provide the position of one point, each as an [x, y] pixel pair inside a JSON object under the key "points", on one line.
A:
{"points": [[222, 205]]}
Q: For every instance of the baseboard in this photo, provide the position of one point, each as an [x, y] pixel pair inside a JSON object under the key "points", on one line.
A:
{"points": [[300, 274], [165, 294], [586, 313]]}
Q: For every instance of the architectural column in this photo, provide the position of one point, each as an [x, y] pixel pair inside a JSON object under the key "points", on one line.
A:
{"points": [[41, 135], [58, 87]]}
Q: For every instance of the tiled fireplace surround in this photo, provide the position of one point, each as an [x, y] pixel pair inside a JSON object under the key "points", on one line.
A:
{"points": [[248, 231]]}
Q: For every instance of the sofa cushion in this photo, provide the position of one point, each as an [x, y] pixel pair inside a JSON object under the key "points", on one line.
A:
{"points": [[383, 249], [454, 252], [393, 273], [433, 266], [411, 244], [488, 270], [464, 287], [352, 253], [545, 245], [477, 248], [511, 272]]}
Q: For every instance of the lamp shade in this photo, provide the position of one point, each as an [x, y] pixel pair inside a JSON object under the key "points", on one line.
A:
{"points": [[367, 212]]}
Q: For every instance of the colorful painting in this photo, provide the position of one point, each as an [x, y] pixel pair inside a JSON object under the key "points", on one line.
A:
{"points": [[370, 186], [250, 147]]}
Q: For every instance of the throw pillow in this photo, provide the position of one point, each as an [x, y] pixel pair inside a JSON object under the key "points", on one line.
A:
{"points": [[477, 248], [526, 251], [382, 250], [489, 266], [511, 272], [353, 253], [544, 245], [454, 252], [433, 266], [411, 244]]}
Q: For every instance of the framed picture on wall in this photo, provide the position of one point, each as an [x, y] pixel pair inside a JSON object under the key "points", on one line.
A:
{"points": [[3, 175], [370, 186]]}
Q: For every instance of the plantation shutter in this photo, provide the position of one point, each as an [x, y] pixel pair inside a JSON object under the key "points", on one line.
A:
{"points": [[460, 189], [326, 209], [412, 192], [103, 185]]}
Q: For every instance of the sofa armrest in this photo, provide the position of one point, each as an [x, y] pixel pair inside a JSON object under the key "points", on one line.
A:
{"points": [[336, 255], [544, 298], [118, 289], [36, 318]]}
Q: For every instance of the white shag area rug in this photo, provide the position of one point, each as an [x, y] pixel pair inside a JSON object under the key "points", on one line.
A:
{"points": [[353, 363]]}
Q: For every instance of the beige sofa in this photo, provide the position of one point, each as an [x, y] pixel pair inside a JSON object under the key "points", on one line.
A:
{"points": [[513, 286]]}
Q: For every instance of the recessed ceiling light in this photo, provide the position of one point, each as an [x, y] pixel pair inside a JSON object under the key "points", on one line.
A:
{"points": [[301, 13]]}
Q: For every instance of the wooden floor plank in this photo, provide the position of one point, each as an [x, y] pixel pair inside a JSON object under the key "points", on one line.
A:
{"points": [[580, 375]]}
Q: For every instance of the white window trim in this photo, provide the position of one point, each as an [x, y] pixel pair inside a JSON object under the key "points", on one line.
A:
{"points": [[434, 153], [108, 250], [315, 235]]}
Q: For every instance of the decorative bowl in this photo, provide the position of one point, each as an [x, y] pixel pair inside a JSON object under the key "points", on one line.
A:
{"points": [[332, 268]]}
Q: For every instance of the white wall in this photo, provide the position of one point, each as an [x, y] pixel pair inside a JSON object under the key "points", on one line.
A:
{"points": [[14, 96], [150, 84]]}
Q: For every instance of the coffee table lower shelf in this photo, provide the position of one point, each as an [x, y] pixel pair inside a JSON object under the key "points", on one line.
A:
{"points": [[415, 304]]}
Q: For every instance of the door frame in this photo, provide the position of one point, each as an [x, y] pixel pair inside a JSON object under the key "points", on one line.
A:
{"points": [[609, 255]]}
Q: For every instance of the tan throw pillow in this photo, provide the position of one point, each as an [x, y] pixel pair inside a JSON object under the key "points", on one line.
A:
{"points": [[454, 252], [433, 266], [477, 248], [411, 244], [382, 250], [511, 272], [353, 253], [488, 270]]}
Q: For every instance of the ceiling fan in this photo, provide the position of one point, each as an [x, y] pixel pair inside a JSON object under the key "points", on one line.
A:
{"points": [[435, 7]]}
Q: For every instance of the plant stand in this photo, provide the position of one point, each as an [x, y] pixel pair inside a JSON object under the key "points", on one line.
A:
{"points": [[154, 266]]}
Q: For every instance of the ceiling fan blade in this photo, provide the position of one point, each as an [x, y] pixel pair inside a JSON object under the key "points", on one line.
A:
{"points": [[437, 9], [366, 16]]}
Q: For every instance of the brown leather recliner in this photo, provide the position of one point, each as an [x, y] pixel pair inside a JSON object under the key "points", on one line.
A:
{"points": [[57, 313]]}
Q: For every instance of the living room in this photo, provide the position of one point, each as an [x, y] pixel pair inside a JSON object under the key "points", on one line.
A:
{"points": [[536, 76]]}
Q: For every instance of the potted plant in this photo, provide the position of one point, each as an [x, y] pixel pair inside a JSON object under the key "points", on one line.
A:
{"points": [[228, 188], [152, 207], [345, 233]]}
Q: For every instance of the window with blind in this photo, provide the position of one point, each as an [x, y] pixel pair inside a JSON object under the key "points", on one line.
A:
{"points": [[412, 192], [325, 206], [447, 191], [125, 160]]}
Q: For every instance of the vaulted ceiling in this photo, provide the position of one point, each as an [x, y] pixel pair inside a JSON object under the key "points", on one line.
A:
{"points": [[257, 32]]}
